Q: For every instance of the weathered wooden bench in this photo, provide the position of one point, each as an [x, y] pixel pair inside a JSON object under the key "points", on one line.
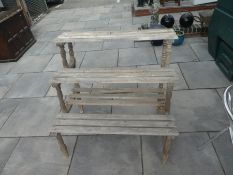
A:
{"points": [[68, 38], [161, 124]]}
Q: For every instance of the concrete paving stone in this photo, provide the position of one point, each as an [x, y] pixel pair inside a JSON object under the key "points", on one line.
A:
{"points": [[104, 155], [51, 27], [7, 146], [37, 48], [107, 16], [223, 147], [87, 46], [184, 157], [73, 25], [203, 75], [7, 107], [50, 36], [106, 58], [136, 56], [130, 27], [118, 44], [201, 50], [109, 28], [48, 20], [6, 82], [180, 84], [30, 85], [55, 63], [179, 54], [50, 48], [198, 110], [31, 64], [96, 24], [221, 91], [193, 40], [120, 22], [90, 17], [6, 67], [32, 117], [39, 156], [142, 44], [142, 20]]}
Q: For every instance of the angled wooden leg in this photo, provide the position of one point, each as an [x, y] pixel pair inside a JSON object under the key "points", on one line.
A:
{"points": [[72, 62], [62, 145], [63, 106], [63, 54], [166, 148]]}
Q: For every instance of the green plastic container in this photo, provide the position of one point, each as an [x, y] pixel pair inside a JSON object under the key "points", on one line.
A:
{"points": [[220, 37]]}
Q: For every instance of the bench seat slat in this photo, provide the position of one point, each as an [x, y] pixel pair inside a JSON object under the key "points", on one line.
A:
{"points": [[115, 102], [68, 116], [83, 130], [116, 123]]}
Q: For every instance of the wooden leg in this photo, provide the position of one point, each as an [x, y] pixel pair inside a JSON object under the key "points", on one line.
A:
{"points": [[72, 62], [62, 145], [63, 106], [166, 148], [166, 53], [63, 54]]}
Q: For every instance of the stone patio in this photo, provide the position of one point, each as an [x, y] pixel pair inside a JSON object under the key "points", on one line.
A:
{"points": [[28, 104]]}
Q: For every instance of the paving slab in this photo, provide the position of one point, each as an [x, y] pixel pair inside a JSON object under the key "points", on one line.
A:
{"points": [[7, 145], [6, 67], [203, 75], [104, 155], [40, 155], [118, 44], [50, 48], [184, 158], [55, 63], [142, 44], [7, 107], [180, 84], [6, 82], [37, 48], [106, 58], [90, 17], [87, 46], [32, 117], [181, 53], [201, 50], [224, 148], [136, 56], [120, 22], [73, 26], [195, 39], [221, 91], [142, 20], [96, 24], [30, 85], [28, 63], [198, 110]]}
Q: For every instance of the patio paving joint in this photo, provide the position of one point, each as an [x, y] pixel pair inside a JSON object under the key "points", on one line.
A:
{"points": [[217, 155], [142, 163], [72, 155]]}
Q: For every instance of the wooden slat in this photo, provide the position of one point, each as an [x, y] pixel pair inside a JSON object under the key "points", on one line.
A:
{"points": [[116, 123], [116, 96], [118, 90], [137, 35], [74, 130], [116, 102], [164, 75], [73, 116]]}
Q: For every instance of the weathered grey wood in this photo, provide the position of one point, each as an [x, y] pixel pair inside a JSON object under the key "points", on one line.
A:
{"points": [[166, 148], [166, 53], [72, 62], [116, 123], [119, 90], [62, 145], [137, 35], [116, 102], [63, 54], [63, 106], [75, 116], [74, 130], [168, 97]]}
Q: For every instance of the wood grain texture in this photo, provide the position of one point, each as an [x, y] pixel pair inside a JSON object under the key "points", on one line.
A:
{"points": [[137, 35]]}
